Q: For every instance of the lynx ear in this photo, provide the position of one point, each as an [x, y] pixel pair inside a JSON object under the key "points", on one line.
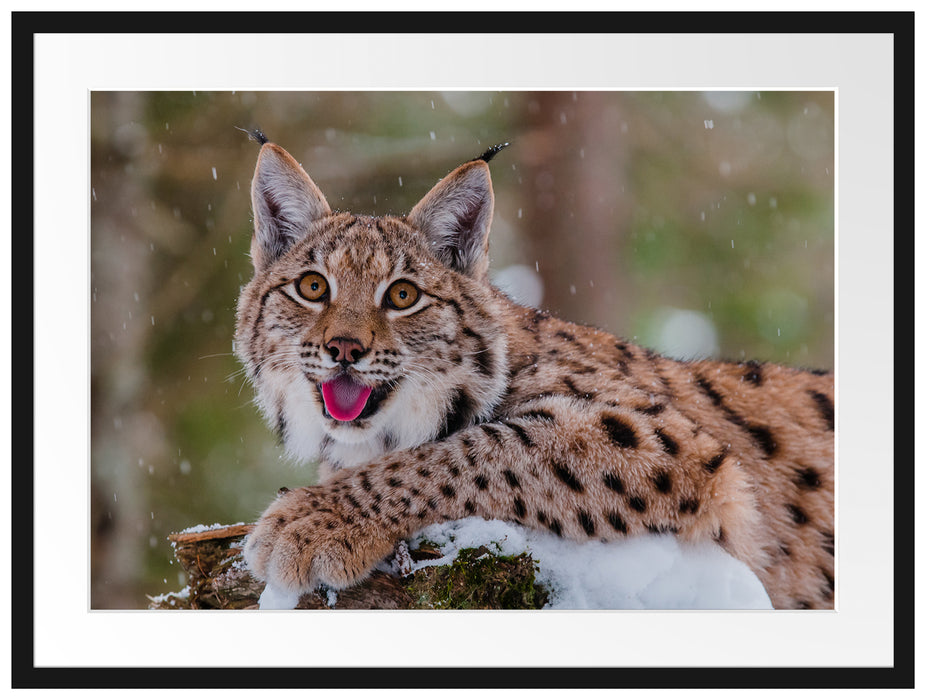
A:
{"points": [[455, 217], [285, 201]]}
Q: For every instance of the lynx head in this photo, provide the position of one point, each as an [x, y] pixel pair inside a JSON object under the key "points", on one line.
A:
{"points": [[365, 334]]}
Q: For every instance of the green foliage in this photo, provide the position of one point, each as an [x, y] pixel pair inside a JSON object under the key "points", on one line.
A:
{"points": [[478, 579]]}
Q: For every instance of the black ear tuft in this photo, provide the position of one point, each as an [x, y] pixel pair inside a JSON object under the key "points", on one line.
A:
{"points": [[491, 153], [256, 135]]}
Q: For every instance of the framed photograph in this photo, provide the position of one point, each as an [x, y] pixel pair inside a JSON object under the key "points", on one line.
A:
{"points": [[723, 195]]}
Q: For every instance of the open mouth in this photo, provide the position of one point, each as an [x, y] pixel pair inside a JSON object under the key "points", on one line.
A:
{"points": [[345, 399]]}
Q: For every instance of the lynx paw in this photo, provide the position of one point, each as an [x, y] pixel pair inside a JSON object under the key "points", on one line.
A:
{"points": [[303, 540]]}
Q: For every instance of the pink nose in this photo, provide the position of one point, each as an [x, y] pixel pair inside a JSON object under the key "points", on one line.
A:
{"points": [[345, 350]]}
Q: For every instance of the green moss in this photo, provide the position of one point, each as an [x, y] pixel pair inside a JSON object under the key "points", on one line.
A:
{"points": [[478, 580]]}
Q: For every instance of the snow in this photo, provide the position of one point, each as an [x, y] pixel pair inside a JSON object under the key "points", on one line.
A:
{"points": [[274, 598], [205, 528], [654, 572], [645, 572], [168, 597]]}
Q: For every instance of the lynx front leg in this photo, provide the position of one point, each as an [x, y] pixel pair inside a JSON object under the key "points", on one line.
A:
{"points": [[313, 536], [578, 469]]}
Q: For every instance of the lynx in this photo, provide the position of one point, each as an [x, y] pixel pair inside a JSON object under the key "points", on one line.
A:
{"points": [[377, 345]]}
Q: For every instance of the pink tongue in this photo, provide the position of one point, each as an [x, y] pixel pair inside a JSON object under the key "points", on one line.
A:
{"points": [[345, 398]]}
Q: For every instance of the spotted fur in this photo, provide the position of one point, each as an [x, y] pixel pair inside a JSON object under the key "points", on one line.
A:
{"points": [[484, 407]]}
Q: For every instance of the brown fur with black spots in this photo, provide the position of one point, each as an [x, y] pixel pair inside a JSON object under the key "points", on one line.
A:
{"points": [[484, 407]]}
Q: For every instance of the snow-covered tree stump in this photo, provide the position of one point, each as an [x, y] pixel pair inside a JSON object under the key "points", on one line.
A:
{"points": [[218, 579]]}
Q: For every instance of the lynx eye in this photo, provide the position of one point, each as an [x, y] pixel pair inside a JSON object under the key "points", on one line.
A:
{"points": [[401, 295], [312, 286]]}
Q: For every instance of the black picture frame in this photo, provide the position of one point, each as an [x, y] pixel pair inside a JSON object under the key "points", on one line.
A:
{"points": [[25, 673]]}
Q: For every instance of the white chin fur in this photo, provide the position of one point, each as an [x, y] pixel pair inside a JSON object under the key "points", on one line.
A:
{"points": [[304, 431], [411, 416], [405, 417]]}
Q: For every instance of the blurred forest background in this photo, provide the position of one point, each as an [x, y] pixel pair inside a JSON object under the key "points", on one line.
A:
{"points": [[699, 224]]}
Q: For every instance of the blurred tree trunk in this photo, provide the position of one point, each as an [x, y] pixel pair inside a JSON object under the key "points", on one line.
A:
{"points": [[118, 342], [574, 169]]}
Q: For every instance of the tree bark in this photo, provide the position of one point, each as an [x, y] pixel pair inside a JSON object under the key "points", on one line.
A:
{"points": [[218, 579]]}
